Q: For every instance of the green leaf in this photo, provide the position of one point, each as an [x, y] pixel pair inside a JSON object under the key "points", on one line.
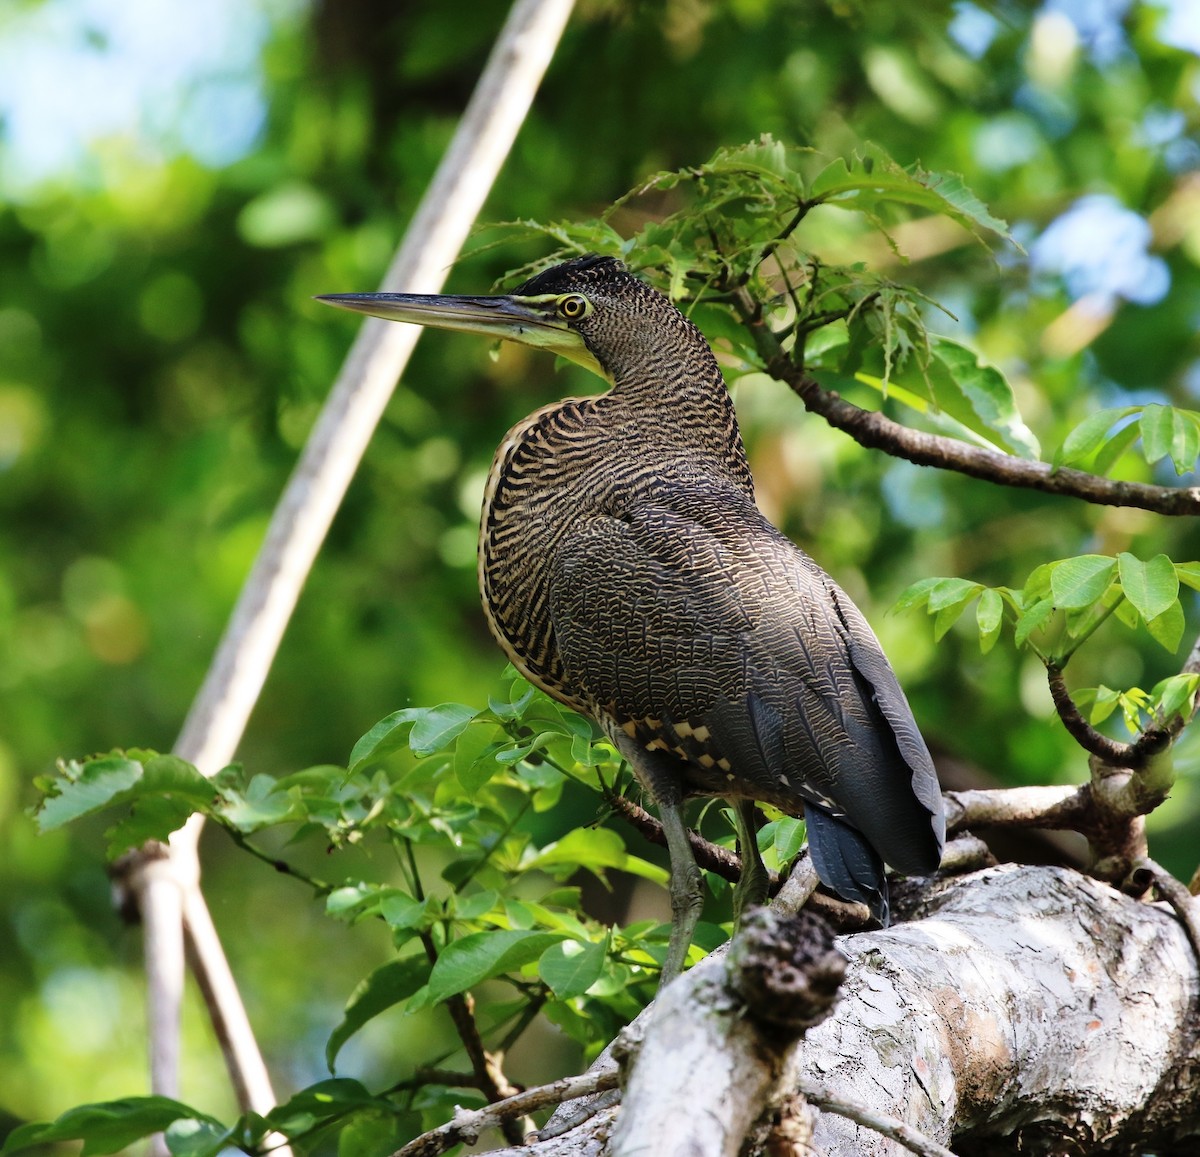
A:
{"points": [[475, 756], [473, 959], [789, 838], [1177, 695], [571, 967], [170, 791], [107, 1126], [989, 615], [916, 595], [1080, 581], [388, 985], [1166, 628], [948, 592], [189, 1137], [388, 735], [371, 1132], [988, 394], [398, 909], [595, 849], [1189, 573], [1105, 703], [1089, 435], [436, 728], [1114, 447], [873, 180], [319, 1102], [1033, 618], [99, 783], [946, 618], [261, 805], [1150, 586], [1168, 432]]}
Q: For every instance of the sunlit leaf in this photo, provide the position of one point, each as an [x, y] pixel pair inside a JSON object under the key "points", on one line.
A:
{"points": [[1088, 436], [475, 756], [1170, 433], [1166, 628], [1150, 586], [388, 735], [916, 595], [788, 839], [437, 727], [1177, 695], [1189, 573], [949, 592], [192, 1137], [100, 782], [988, 393], [1033, 618], [594, 849], [1079, 582], [326, 1099], [989, 614]]}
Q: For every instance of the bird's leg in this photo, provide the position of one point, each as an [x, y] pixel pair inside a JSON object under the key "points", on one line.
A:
{"points": [[686, 889], [752, 886]]}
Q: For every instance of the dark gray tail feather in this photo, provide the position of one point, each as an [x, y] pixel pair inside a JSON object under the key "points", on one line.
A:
{"points": [[846, 863]]}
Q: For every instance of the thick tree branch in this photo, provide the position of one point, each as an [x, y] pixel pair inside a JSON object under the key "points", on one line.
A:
{"points": [[468, 1125], [954, 1025]]}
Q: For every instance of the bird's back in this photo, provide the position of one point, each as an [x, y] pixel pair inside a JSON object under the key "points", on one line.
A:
{"points": [[626, 570]]}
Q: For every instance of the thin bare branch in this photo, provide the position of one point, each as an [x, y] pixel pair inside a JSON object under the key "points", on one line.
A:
{"points": [[1186, 906], [468, 1124], [860, 1114], [711, 857]]}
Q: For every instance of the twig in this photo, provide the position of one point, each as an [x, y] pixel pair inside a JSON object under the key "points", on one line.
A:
{"points": [[860, 1114], [468, 1124], [711, 857], [1133, 755], [1185, 905], [218, 716], [489, 1077]]}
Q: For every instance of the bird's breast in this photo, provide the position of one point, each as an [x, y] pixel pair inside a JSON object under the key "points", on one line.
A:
{"points": [[565, 465]]}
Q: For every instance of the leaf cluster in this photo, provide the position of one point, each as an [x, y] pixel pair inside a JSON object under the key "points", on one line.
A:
{"points": [[1062, 605], [452, 794]]}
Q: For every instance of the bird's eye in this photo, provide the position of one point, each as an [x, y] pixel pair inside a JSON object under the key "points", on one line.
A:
{"points": [[573, 306]]}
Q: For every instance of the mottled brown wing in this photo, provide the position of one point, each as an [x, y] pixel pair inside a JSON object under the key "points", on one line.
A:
{"points": [[705, 635]]}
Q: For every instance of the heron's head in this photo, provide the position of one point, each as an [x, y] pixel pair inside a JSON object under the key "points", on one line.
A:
{"points": [[589, 309]]}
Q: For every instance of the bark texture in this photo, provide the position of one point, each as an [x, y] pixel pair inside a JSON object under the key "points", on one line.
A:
{"points": [[1022, 1010]]}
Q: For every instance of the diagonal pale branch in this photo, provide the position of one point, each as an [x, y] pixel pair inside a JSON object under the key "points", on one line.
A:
{"points": [[218, 717]]}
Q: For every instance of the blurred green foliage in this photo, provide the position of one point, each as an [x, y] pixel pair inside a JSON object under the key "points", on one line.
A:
{"points": [[161, 362]]}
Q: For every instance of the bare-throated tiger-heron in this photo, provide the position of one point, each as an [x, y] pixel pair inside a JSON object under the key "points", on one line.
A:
{"points": [[626, 570]]}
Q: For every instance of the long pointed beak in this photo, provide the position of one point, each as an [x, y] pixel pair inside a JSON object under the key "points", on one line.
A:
{"points": [[531, 321]]}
